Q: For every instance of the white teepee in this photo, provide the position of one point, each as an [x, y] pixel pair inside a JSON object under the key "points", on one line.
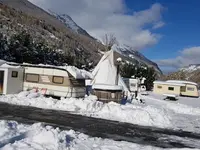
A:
{"points": [[105, 73]]}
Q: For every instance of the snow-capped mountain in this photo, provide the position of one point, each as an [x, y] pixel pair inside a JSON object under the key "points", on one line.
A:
{"points": [[126, 51], [191, 68], [136, 56], [69, 22], [190, 73]]}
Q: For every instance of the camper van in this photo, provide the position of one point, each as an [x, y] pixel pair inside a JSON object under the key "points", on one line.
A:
{"points": [[11, 79], [66, 81], [176, 87]]}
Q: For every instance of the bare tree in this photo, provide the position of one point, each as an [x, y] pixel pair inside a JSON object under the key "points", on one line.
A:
{"points": [[109, 40]]}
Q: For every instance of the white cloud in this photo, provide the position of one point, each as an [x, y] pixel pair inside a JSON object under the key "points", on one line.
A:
{"points": [[99, 17], [187, 56]]}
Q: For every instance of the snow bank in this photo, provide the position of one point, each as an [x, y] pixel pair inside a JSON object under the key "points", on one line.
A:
{"points": [[130, 113], [177, 107], [15, 136]]}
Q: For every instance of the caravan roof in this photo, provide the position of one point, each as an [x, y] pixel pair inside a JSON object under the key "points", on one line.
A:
{"points": [[74, 71], [175, 82], [168, 83], [181, 82], [6, 66]]}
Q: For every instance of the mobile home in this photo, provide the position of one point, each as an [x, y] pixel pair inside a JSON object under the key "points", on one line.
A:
{"points": [[66, 81], [11, 79], [176, 87]]}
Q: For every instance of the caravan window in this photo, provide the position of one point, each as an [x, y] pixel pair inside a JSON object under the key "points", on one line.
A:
{"points": [[14, 74], [190, 88], [171, 88], [32, 77], [159, 87], [58, 80], [183, 88]]}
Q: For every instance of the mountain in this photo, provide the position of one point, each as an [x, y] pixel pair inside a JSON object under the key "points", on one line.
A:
{"points": [[191, 68], [189, 73], [69, 22], [136, 57], [20, 15], [60, 32]]}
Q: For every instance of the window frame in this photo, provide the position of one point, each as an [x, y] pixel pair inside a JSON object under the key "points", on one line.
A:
{"points": [[171, 89], [32, 74], [14, 76], [57, 77]]}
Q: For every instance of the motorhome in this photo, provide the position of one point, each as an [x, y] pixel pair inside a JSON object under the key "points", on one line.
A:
{"points": [[11, 79], [176, 87], [67, 81]]}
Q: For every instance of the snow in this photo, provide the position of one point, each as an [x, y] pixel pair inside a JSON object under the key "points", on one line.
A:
{"points": [[89, 106], [2, 62], [78, 73], [191, 68], [8, 66], [106, 72], [168, 83], [74, 71], [107, 87], [16, 136], [184, 113], [181, 82]]}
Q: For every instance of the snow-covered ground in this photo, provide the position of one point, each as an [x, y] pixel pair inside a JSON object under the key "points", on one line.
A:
{"points": [[131, 113], [155, 112], [14, 136]]}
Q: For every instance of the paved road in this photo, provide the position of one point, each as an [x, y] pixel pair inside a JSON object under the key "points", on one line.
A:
{"points": [[94, 127]]}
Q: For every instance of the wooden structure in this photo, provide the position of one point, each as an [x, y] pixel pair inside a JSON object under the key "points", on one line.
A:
{"points": [[108, 93]]}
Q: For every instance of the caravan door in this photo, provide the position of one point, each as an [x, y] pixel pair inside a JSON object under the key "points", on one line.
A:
{"points": [[1, 81]]}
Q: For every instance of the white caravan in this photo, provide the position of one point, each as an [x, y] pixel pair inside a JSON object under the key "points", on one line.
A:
{"points": [[11, 79], [65, 81]]}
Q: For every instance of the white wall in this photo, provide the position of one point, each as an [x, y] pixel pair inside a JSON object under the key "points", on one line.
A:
{"points": [[14, 85]]}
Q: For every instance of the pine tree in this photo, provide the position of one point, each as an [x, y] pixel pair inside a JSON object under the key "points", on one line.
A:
{"points": [[129, 70]]}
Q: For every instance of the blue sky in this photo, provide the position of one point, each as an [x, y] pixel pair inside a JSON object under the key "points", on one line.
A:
{"points": [[181, 30]]}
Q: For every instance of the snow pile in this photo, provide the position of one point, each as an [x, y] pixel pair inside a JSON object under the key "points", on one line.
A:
{"points": [[179, 106], [183, 109], [78, 73], [15, 136], [130, 113], [143, 115]]}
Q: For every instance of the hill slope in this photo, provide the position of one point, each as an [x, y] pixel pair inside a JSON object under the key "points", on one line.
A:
{"points": [[19, 15], [190, 73], [59, 32], [69, 22]]}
